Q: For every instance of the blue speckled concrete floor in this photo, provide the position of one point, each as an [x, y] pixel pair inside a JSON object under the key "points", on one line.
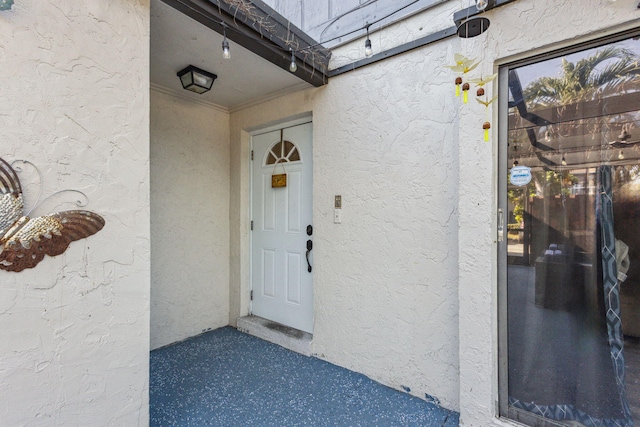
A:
{"points": [[227, 378]]}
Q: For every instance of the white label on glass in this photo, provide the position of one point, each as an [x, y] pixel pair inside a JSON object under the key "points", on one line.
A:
{"points": [[520, 175]]}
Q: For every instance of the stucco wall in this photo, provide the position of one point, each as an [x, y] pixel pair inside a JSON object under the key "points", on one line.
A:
{"points": [[405, 288], [518, 30], [189, 219], [385, 279], [74, 331]]}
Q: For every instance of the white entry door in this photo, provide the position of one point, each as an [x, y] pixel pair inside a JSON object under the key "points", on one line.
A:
{"points": [[282, 231]]}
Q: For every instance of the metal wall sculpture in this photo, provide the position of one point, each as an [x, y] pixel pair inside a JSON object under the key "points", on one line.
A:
{"points": [[24, 241]]}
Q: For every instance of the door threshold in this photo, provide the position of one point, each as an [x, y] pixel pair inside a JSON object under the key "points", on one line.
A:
{"points": [[289, 338]]}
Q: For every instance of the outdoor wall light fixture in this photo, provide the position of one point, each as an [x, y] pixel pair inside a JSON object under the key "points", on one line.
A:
{"points": [[196, 80]]}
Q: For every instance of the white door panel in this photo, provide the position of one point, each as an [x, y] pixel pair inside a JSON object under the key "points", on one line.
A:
{"points": [[281, 283]]}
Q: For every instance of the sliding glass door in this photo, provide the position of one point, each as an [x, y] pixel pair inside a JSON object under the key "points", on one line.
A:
{"points": [[570, 253]]}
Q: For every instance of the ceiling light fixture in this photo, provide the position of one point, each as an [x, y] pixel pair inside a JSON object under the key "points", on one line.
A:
{"points": [[196, 80], [225, 44]]}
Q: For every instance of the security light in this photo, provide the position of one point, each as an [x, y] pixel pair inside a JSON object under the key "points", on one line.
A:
{"points": [[196, 80]]}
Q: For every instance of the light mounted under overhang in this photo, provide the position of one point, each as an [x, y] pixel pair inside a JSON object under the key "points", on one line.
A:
{"points": [[196, 80], [257, 27]]}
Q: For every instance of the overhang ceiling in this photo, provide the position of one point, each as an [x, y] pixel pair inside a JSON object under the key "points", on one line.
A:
{"points": [[246, 78]]}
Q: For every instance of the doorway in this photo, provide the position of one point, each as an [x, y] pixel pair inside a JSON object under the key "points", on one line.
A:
{"points": [[569, 258], [282, 229]]}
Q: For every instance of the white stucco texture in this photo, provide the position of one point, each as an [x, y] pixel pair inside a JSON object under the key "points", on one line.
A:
{"points": [[518, 30], [74, 331], [385, 279], [405, 287], [189, 219]]}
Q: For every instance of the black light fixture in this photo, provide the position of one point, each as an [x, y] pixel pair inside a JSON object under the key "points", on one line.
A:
{"points": [[196, 80]]}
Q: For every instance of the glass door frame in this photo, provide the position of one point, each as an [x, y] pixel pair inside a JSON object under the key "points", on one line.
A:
{"points": [[503, 410]]}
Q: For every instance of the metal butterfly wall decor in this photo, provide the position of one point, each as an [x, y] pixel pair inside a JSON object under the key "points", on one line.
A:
{"points": [[24, 241]]}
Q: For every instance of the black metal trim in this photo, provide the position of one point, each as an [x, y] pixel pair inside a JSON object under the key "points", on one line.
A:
{"points": [[268, 45], [406, 47], [458, 18], [464, 14]]}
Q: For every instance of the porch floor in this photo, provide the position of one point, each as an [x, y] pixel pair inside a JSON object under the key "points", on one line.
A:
{"points": [[227, 378]]}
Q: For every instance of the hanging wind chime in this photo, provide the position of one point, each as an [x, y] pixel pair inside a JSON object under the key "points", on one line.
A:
{"points": [[480, 92], [472, 27], [463, 66]]}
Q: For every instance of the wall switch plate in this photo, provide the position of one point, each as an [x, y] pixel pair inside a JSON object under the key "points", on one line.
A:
{"points": [[337, 216], [338, 202]]}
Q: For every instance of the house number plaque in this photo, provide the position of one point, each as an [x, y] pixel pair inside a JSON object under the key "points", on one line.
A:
{"points": [[279, 180]]}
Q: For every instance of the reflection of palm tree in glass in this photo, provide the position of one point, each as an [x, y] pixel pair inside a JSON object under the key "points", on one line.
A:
{"points": [[574, 123], [610, 71]]}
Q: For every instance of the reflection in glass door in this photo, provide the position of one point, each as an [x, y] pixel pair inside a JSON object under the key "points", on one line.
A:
{"points": [[570, 294]]}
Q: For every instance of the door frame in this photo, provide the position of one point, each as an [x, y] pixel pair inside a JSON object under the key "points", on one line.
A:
{"points": [[502, 400], [285, 124]]}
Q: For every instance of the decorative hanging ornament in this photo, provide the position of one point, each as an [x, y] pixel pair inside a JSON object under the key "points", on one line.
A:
{"points": [[486, 102], [483, 80], [463, 65], [486, 126], [465, 92]]}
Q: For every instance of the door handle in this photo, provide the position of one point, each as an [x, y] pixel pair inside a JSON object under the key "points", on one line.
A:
{"points": [[309, 248], [500, 225]]}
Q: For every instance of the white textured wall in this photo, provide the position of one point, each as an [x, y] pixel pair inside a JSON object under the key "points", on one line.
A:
{"points": [[74, 331], [385, 280], [189, 219], [405, 288], [518, 30]]}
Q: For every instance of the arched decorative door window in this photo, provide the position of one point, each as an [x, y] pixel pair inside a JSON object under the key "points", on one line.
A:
{"points": [[282, 152]]}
